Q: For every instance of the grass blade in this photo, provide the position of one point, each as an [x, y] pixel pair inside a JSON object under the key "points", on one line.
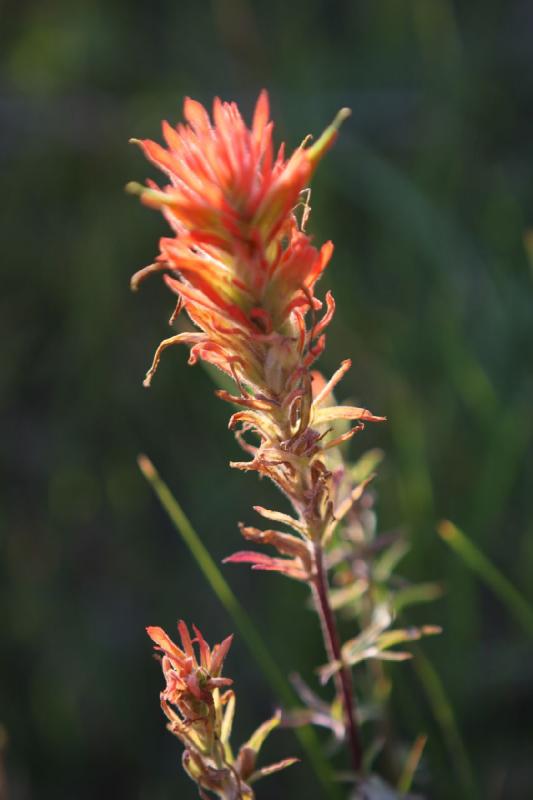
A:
{"points": [[411, 764], [445, 717], [243, 622], [502, 587]]}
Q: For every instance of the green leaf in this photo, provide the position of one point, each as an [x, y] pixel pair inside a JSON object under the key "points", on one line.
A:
{"points": [[401, 635], [418, 593], [347, 594], [502, 587], [411, 764], [256, 740], [387, 562], [445, 716], [366, 465], [227, 720]]}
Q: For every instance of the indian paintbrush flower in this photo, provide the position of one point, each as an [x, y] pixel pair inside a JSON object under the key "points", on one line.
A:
{"points": [[238, 262], [245, 272], [244, 269], [200, 706]]}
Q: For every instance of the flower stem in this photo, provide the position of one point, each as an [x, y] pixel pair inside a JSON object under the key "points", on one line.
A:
{"points": [[343, 678]]}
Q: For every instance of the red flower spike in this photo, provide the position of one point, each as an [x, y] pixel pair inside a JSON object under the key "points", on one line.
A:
{"points": [[238, 259], [245, 272]]}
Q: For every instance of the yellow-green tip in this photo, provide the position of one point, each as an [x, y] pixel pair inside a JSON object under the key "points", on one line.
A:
{"points": [[151, 197], [343, 114], [322, 145], [135, 188]]}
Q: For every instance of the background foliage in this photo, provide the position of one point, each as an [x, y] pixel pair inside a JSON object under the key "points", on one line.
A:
{"points": [[428, 197]]}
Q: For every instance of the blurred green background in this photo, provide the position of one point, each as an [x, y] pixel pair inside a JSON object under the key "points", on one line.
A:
{"points": [[428, 196]]}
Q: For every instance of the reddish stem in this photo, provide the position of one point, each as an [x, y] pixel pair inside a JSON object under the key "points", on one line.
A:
{"points": [[343, 678]]}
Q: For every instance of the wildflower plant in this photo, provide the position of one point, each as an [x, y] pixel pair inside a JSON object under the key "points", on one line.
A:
{"points": [[245, 270], [199, 707]]}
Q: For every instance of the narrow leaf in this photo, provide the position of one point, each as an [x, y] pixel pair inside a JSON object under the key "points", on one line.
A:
{"points": [[418, 593], [401, 635], [388, 561], [332, 413], [502, 587], [290, 567], [327, 388], [347, 594], [271, 769], [366, 465], [445, 717], [257, 739], [411, 764], [227, 720], [286, 519]]}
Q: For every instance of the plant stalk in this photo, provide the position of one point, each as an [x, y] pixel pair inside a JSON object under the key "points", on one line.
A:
{"points": [[343, 678]]}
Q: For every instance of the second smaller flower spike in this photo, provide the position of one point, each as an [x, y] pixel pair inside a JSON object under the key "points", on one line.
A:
{"points": [[200, 708]]}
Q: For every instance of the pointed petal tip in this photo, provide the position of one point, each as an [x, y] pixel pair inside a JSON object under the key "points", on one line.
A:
{"points": [[369, 417], [226, 643], [324, 142], [242, 557], [341, 116], [195, 113], [155, 633], [263, 102], [261, 113], [326, 251]]}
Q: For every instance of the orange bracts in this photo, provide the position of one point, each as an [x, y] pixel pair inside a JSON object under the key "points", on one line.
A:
{"points": [[245, 271], [238, 261], [201, 716], [190, 682], [225, 184]]}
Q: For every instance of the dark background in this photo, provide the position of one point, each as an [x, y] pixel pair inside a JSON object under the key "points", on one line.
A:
{"points": [[428, 196]]}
